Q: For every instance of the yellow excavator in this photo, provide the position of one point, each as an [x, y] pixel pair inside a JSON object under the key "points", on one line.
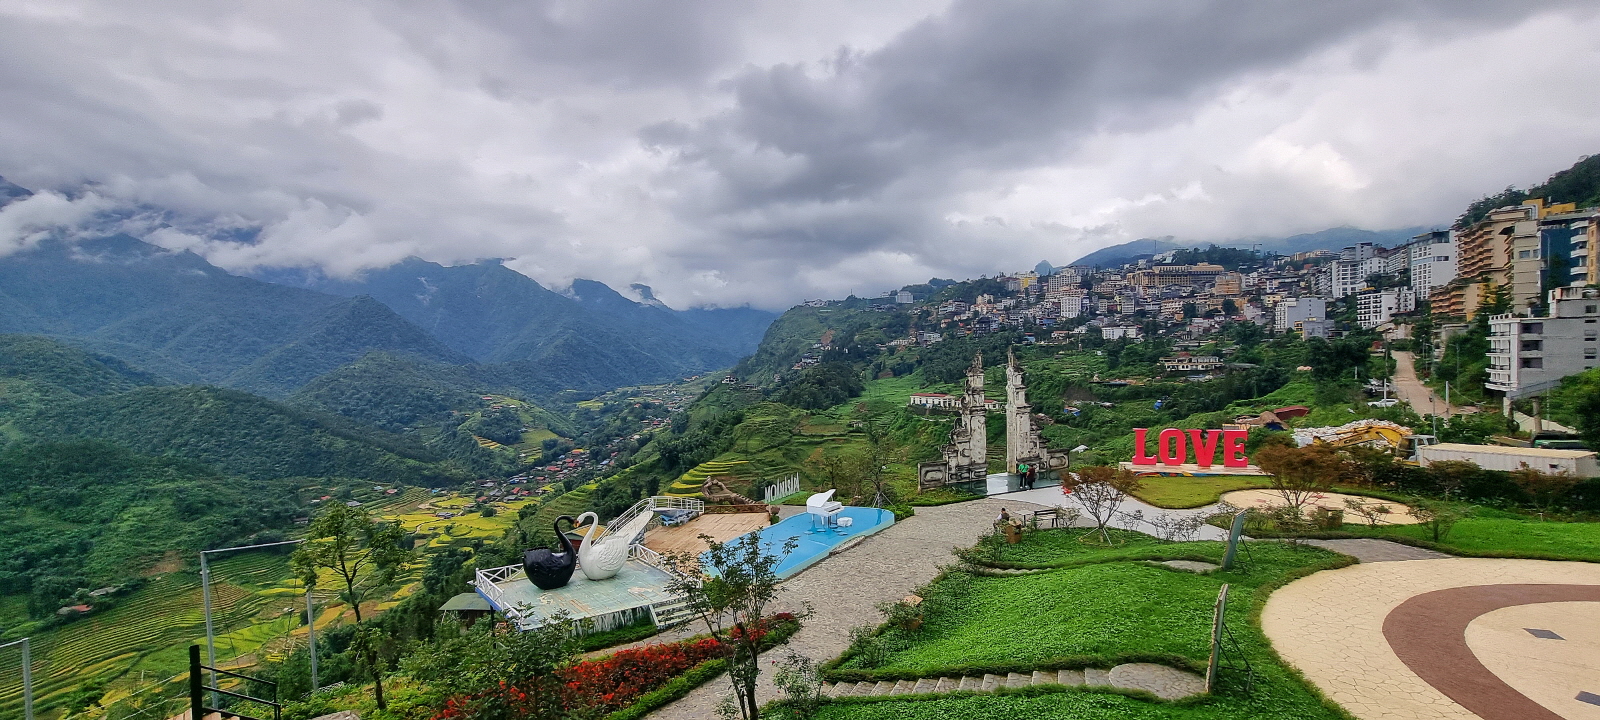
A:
{"points": [[1394, 438]]}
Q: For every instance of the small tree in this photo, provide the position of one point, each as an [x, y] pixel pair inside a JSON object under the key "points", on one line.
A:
{"points": [[1372, 512], [1438, 518], [1545, 490], [1299, 475], [729, 588], [801, 682], [364, 555], [1100, 490], [497, 672]]}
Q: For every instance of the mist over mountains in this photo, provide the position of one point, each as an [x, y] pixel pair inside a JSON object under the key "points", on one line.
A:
{"points": [[1330, 239], [175, 314]]}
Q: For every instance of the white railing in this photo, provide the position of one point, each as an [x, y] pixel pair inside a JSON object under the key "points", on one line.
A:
{"points": [[783, 488], [651, 558], [662, 502], [488, 583]]}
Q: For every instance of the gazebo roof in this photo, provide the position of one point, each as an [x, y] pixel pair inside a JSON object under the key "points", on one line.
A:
{"points": [[467, 601]]}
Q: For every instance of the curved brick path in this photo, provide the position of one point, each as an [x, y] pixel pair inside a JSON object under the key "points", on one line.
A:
{"points": [[844, 589], [1332, 627]]}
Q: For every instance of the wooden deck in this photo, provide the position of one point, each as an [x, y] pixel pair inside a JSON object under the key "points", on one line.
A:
{"points": [[721, 527]]}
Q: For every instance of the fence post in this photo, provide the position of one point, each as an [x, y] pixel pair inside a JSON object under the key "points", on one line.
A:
{"points": [[197, 694], [27, 681]]}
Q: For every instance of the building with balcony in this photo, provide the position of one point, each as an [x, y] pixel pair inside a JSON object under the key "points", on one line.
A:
{"points": [[1529, 355], [1433, 260], [1376, 307], [1290, 313]]}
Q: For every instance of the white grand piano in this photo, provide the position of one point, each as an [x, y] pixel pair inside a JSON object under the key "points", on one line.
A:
{"points": [[823, 506]]}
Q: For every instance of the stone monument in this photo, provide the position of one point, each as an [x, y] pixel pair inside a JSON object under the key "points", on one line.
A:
{"points": [[966, 458]]}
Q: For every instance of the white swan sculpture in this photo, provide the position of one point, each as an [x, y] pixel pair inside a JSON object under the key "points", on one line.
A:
{"points": [[602, 558]]}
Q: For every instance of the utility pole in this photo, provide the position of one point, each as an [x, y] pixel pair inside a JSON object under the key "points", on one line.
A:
{"points": [[27, 677]]}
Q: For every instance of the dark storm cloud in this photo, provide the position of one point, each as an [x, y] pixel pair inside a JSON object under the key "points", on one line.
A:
{"points": [[726, 152]]}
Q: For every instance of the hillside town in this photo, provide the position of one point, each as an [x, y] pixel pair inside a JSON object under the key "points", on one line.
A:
{"points": [[1540, 258]]}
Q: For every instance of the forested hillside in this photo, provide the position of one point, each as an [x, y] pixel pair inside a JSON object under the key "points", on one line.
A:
{"points": [[85, 514], [591, 338], [177, 315], [241, 434]]}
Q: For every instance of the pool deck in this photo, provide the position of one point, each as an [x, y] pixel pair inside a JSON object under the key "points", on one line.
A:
{"points": [[636, 585], [814, 543]]}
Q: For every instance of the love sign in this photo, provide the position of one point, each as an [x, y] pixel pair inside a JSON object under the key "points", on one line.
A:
{"points": [[1173, 447]]}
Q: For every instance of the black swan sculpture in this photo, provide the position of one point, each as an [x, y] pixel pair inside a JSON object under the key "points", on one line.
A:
{"points": [[549, 569]]}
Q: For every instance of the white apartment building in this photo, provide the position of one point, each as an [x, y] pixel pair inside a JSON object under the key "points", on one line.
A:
{"points": [[1528, 355], [1433, 260], [1289, 314], [1375, 307], [1114, 332]]}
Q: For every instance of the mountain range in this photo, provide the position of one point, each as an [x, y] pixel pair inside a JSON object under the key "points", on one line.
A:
{"points": [[1330, 239], [174, 314]]}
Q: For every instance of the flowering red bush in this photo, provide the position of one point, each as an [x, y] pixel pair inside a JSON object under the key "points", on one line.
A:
{"points": [[604, 685], [615, 682]]}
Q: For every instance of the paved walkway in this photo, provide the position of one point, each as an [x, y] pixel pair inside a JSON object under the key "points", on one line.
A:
{"points": [[1367, 635], [1130, 509], [1409, 388], [844, 590], [1373, 551]]}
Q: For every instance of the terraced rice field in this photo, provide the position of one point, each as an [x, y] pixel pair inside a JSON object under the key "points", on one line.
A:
{"points": [[167, 612], [689, 484]]}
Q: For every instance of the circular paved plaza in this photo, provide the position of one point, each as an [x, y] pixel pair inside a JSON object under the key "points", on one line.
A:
{"points": [[1456, 638]]}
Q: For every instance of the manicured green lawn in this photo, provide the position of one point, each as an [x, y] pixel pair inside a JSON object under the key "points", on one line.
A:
{"points": [[1507, 535], [1191, 492], [1103, 614], [1076, 546]]}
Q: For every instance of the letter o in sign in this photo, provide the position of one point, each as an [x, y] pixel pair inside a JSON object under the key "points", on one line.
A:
{"points": [[1171, 447]]}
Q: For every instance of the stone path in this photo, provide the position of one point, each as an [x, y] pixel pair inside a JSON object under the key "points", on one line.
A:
{"points": [[1164, 682], [844, 590], [1338, 628], [1372, 551]]}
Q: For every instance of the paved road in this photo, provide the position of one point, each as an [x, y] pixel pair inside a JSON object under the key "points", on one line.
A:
{"points": [[1422, 398], [843, 590]]}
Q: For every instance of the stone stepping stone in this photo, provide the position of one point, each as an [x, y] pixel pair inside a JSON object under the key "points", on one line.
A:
{"points": [[1193, 566], [1018, 680], [947, 684], [971, 683], [844, 689], [1164, 682], [925, 686], [1043, 678], [1070, 678], [902, 687], [1095, 677], [990, 682], [884, 687]]}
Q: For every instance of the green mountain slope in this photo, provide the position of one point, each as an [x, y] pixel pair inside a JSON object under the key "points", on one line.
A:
{"points": [[37, 372], [177, 315], [240, 434], [88, 513]]}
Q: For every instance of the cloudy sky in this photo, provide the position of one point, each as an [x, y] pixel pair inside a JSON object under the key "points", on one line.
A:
{"points": [[739, 151]]}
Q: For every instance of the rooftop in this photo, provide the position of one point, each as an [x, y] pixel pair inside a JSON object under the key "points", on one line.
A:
{"points": [[1510, 450]]}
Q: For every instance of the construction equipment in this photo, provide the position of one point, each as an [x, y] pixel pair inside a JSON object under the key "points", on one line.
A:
{"points": [[1380, 434]]}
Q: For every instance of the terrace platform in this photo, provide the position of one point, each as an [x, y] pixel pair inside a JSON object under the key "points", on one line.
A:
{"points": [[633, 594], [685, 538]]}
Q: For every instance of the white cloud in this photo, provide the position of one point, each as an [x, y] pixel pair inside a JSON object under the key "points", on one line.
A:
{"points": [[727, 152]]}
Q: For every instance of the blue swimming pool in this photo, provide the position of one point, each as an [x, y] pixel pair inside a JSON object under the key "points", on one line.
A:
{"points": [[814, 546]]}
